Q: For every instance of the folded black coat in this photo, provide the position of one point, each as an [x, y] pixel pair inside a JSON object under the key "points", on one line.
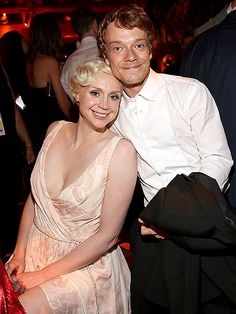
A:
{"points": [[193, 209], [198, 263]]}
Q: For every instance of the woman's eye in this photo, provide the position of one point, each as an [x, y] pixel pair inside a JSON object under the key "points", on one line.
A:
{"points": [[94, 93], [115, 97]]}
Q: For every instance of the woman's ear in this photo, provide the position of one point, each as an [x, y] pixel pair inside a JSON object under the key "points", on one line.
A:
{"points": [[76, 96]]}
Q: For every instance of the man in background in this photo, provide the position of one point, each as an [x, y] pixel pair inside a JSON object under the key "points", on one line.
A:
{"points": [[211, 58], [84, 22], [218, 18]]}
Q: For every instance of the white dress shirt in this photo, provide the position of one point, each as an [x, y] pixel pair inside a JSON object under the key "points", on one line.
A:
{"points": [[87, 50], [175, 127]]}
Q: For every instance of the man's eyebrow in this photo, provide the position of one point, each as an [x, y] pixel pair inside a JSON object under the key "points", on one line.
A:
{"points": [[122, 42], [114, 42]]}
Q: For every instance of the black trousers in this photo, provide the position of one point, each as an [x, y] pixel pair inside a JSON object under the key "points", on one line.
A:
{"points": [[141, 305]]}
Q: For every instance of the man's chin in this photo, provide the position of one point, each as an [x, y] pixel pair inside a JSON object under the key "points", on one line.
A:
{"points": [[130, 85]]}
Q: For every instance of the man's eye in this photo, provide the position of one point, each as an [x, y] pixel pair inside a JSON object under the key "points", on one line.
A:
{"points": [[94, 93], [117, 48], [141, 46]]}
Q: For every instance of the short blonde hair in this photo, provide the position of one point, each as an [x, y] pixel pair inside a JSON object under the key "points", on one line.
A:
{"points": [[86, 74]]}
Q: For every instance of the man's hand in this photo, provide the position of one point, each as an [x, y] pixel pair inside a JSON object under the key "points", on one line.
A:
{"points": [[148, 230]]}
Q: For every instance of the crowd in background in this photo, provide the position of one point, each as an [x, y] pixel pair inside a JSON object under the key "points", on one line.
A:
{"points": [[35, 74]]}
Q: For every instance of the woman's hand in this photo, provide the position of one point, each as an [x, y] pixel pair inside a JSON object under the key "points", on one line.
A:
{"points": [[29, 280], [147, 230], [15, 266]]}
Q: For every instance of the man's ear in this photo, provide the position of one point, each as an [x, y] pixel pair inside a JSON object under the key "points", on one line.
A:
{"points": [[106, 59]]}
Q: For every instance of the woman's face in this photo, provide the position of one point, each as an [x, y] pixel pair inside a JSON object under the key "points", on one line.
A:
{"points": [[99, 102]]}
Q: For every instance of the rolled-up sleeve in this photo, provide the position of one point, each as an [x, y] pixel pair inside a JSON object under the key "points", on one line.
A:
{"points": [[208, 133]]}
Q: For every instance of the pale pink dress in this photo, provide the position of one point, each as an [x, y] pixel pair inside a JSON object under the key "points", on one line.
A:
{"points": [[60, 224]]}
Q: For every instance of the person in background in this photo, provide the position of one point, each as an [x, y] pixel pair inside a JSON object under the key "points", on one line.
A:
{"points": [[13, 50], [12, 128], [211, 59], [67, 259], [84, 22], [46, 101], [217, 19], [175, 126]]}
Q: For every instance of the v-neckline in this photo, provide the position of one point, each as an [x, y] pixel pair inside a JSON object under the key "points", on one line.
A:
{"points": [[82, 174], [87, 168]]}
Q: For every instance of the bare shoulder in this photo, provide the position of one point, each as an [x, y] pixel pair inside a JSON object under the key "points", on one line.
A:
{"points": [[68, 127], [123, 162], [125, 144], [51, 127], [45, 64], [44, 59], [49, 61], [125, 149]]}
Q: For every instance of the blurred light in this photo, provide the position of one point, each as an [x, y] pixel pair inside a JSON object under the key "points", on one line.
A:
{"points": [[67, 18], [3, 18]]}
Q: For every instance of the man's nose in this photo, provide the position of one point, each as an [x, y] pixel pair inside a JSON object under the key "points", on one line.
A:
{"points": [[130, 54]]}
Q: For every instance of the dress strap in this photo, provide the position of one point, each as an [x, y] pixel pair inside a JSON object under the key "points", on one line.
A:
{"points": [[52, 134], [109, 150]]}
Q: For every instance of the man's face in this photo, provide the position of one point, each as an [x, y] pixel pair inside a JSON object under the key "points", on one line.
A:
{"points": [[129, 55]]}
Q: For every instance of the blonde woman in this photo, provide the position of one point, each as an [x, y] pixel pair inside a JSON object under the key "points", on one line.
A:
{"points": [[66, 258]]}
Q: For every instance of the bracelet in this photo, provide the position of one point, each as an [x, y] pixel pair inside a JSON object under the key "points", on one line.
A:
{"points": [[28, 145]]}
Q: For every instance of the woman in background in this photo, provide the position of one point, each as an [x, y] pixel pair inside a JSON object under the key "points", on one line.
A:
{"points": [[46, 101]]}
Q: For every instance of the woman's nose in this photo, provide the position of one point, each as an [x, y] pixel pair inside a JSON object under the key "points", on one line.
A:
{"points": [[103, 104]]}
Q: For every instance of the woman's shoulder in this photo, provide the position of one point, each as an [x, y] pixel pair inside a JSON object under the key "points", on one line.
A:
{"points": [[58, 125], [46, 60], [43, 68], [123, 142], [124, 157], [124, 146]]}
